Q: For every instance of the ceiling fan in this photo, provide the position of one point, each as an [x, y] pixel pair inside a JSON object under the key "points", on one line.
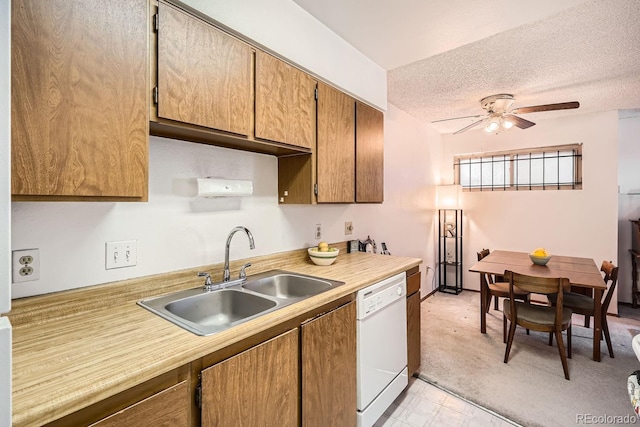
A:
{"points": [[500, 115]]}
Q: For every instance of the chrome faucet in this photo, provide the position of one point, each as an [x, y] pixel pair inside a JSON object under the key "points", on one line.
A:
{"points": [[226, 277], [227, 274]]}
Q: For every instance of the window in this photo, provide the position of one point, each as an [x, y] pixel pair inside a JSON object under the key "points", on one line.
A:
{"points": [[547, 168]]}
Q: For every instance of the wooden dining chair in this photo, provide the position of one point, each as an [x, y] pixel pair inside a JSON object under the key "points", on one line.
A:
{"points": [[542, 318], [497, 287], [585, 304]]}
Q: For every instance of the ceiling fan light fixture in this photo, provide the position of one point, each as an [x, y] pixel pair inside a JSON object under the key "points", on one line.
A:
{"points": [[506, 123], [499, 114], [493, 125]]}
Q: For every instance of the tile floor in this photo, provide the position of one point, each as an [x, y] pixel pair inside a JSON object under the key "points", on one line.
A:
{"points": [[425, 405]]}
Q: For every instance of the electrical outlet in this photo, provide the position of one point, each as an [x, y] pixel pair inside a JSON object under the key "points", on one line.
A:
{"points": [[121, 254], [348, 228], [25, 265], [318, 231]]}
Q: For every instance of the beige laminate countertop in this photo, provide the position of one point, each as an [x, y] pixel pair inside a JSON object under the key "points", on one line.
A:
{"points": [[75, 348]]}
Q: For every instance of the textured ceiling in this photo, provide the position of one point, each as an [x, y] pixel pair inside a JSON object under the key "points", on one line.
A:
{"points": [[443, 57]]}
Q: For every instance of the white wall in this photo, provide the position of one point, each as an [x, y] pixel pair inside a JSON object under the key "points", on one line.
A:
{"points": [[5, 154], [579, 223], [5, 218], [629, 197], [176, 231], [406, 219], [284, 27]]}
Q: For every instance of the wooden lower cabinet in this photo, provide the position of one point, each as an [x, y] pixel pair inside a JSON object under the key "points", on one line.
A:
{"points": [[328, 355], [413, 320], [168, 408], [162, 401], [305, 376], [258, 387]]}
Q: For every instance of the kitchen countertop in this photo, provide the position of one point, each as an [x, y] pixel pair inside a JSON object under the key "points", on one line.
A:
{"points": [[75, 348]]}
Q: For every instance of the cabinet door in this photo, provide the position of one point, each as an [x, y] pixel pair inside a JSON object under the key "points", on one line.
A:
{"points": [[369, 154], [285, 102], [168, 408], [204, 75], [413, 320], [413, 333], [336, 146], [79, 101], [329, 369], [258, 387]]}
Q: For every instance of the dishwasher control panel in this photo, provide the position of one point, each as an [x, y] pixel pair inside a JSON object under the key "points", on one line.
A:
{"points": [[381, 294]]}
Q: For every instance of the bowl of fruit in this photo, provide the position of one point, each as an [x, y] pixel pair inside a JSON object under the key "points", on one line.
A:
{"points": [[323, 254], [540, 256]]}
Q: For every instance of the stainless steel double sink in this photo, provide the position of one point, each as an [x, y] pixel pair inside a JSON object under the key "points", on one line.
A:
{"points": [[208, 312]]}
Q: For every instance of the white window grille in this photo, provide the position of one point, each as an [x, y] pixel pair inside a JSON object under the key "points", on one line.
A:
{"points": [[546, 168]]}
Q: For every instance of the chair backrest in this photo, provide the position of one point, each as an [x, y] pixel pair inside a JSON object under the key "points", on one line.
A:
{"points": [[487, 277], [538, 285], [610, 274], [483, 253]]}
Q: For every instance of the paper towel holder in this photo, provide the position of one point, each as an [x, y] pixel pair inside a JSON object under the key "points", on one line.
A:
{"points": [[216, 187]]}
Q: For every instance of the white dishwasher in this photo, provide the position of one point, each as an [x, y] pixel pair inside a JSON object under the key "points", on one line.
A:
{"points": [[382, 346]]}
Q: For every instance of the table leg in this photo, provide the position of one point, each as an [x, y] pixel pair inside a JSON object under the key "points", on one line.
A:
{"points": [[634, 280], [483, 303], [597, 323]]}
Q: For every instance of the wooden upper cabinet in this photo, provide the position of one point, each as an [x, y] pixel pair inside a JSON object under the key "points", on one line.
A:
{"points": [[285, 103], [79, 99], [258, 387], [329, 357], [369, 154], [204, 75], [336, 146]]}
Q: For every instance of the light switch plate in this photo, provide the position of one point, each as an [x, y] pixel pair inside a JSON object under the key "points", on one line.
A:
{"points": [[348, 228], [121, 254]]}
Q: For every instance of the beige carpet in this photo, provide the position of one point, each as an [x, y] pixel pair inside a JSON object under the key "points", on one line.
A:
{"points": [[530, 389]]}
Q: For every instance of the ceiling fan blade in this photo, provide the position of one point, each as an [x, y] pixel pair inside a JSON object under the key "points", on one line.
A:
{"points": [[519, 121], [547, 107], [456, 118], [471, 125]]}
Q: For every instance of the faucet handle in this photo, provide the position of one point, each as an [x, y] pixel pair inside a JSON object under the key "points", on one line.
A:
{"points": [[243, 274], [207, 281]]}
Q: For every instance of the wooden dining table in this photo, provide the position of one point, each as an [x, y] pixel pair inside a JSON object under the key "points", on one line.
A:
{"points": [[582, 273]]}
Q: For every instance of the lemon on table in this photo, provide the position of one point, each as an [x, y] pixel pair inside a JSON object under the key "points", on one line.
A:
{"points": [[540, 252]]}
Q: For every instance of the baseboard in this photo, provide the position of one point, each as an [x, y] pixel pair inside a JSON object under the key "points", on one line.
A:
{"points": [[428, 295]]}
